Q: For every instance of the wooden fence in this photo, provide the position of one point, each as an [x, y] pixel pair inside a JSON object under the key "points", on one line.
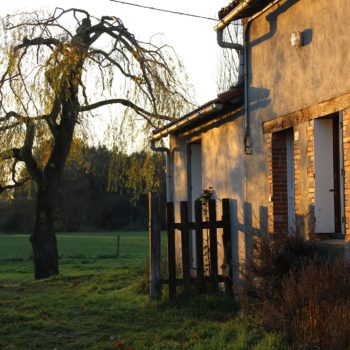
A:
{"points": [[206, 271]]}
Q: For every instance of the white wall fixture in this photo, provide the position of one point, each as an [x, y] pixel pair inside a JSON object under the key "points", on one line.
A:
{"points": [[296, 39]]}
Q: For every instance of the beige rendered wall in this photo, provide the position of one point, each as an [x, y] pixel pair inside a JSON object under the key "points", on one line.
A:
{"points": [[284, 79], [295, 78], [223, 168], [222, 161]]}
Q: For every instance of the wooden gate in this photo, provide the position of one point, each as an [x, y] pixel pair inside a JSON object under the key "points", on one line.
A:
{"points": [[206, 271]]}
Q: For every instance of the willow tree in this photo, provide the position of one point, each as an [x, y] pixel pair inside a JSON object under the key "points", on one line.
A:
{"points": [[228, 59], [55, 76]]}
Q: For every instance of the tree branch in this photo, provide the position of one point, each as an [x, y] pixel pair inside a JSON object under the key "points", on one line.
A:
{"points": [[37, 42], [20, 119], [114, 62], [28, 158], [13, 153], [12, 186], [125, 103]]}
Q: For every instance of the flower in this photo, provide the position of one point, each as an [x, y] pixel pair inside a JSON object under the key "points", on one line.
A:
{"points": [[206, 194]]}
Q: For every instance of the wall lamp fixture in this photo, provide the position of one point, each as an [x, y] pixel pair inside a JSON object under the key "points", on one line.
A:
{"points": [[296, 39]]}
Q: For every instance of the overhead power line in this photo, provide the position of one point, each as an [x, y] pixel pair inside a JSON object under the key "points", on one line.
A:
{"points": [[167, 11]]}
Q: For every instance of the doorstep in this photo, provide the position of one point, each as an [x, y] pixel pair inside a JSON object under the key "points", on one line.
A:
{"points": [[339, 247]]}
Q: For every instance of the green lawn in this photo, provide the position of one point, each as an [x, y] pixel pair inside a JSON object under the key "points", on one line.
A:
{"points": [[100, 302], [79, 253]]}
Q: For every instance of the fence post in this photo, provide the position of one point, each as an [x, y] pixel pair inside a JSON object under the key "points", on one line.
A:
{"points": [[227, 243], [185, 243], [118, 246], [171, 249], [154, 244], [213, 245]]}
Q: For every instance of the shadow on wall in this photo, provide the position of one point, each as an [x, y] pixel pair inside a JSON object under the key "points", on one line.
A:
{"points": [[245, 233], [305, 224], [273, 26], [307, 36], [258, 98], [272, 19]]}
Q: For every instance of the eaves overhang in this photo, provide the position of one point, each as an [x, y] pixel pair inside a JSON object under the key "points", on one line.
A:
{"points": [[239, 9], [224, 102]]}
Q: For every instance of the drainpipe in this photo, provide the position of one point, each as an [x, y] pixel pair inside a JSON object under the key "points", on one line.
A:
{"points": [[169, 194], [233, 46], [229, 18], [248, 142], [242, 76], [243, 67]]}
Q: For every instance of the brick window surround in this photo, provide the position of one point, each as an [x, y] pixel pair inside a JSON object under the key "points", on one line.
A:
{"points": [[279, 181]]}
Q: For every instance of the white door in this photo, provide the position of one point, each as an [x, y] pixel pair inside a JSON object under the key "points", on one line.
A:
{"points": [[195, 189], [196, 172], [324, 177]]}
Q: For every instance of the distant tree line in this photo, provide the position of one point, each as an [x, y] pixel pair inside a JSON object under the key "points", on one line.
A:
{"points": [[101, 189]]}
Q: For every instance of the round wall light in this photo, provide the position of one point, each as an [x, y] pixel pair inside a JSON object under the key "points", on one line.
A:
{"points": [[296, 39]]}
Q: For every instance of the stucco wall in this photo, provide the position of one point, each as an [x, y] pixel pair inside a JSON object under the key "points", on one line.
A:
{"points": [[284, 79], [223, 165], [224, 169], [295, 78]]}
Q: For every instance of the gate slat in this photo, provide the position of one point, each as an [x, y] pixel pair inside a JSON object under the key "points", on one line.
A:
{"points": [[199, 244], [185, 243], [213, 245], [186, 226], [227, 244]]}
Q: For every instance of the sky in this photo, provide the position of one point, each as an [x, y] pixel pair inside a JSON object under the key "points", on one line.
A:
{"points": [[193, 39]]}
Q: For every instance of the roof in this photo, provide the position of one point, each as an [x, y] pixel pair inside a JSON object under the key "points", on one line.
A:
{"points": [[253, 6], [225, 102]]}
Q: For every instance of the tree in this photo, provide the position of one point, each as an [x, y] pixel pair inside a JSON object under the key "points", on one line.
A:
{"points": [[54, 79], [100, 189], [138, 174], [229, 59]]}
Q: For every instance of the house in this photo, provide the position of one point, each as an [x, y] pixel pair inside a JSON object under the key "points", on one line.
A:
{"points": [[277, 144]]}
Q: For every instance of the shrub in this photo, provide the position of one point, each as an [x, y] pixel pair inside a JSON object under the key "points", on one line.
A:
{"points": [[315, 305], [273, 259], [293, 287]]}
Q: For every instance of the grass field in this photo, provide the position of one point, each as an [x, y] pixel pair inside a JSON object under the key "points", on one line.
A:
{"points": [[79, 253], [100, 302]]}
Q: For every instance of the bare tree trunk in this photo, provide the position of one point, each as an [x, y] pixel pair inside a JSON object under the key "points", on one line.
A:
{"points": [[44, 243]]}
